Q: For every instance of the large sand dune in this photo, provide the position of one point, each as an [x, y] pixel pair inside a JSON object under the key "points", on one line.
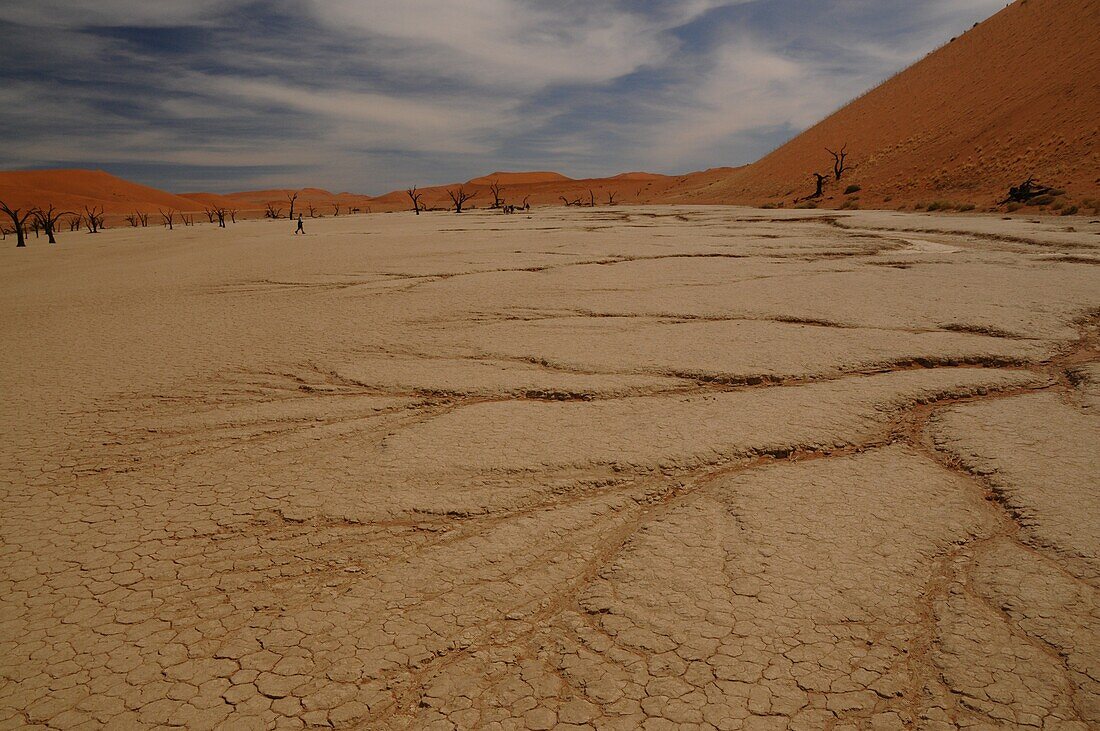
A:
{"points": [[628, 468], [1015, 96]]}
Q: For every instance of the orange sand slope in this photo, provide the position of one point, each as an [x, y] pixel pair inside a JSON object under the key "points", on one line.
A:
{"points": [[75, 189], [1016, 95]]}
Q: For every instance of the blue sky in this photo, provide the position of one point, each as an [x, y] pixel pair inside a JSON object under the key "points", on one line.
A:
{"points": [[374, 95]]}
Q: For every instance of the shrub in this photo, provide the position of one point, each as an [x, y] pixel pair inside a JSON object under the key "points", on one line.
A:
{"points": [[940, 206], [1043, 200], [887, 199], [768, 206], [1013, 207], [850, 204], [852, 189], [1057, 204], [965, 207], [1069, 211], [806, 204], [918, 206]]}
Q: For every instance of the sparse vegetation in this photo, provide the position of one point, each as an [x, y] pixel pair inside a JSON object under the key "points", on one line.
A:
{"points": [[852, 189], [1069, 211]]}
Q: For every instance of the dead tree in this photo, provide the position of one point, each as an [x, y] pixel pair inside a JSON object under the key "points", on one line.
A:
{"points": [[292, 198], [335, 209], [132, 219], [526, 206], [568, 202], [233, 215], [839, 160], [591, 199], [93, 219], [415, 198], [209, 213], [312, 211], [272, 212], [74, 222], [820, 186], [167, 218], [19, 220], [188, 220], [47, 219], [1025, 191], [459, 197], [611, 198], [496, 189], [144, 219], [219, 211]]}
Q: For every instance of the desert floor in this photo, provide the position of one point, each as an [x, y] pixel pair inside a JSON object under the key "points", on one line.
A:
{"points": [[614, 468]]}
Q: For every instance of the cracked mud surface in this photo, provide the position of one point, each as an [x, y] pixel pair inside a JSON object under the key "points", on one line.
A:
{"points": [[617, 469]]}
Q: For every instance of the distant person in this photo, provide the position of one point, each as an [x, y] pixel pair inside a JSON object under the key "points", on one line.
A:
{"points": [[301, 226]]}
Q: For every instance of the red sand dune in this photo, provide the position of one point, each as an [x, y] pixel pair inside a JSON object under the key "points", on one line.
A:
{"points": [[74, 189], [521, 178], [1017, 95]]}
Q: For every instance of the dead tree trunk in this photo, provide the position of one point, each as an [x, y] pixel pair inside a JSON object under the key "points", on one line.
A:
{"points": [[93, 218], [415, 198], [292, 198], [167, 217], [591, 199], [496, 189], [272, 212], [19, 219], [526, 206], [312, 210], [839, 160], [820, 186], [47, 219], [132, 219], [335, 209], [233, 215], [459, 198], [1025, 191], [220, 213], [611, 198]]}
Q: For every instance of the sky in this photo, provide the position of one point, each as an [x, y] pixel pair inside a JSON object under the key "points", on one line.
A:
{"points": [[375, 95]]}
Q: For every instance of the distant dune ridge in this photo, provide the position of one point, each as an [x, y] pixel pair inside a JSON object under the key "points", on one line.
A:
{"points": [[1013, 97]]}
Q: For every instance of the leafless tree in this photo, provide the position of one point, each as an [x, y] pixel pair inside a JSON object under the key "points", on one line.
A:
{"points": [[74, 222], [496, 189], [591, 199], [611, 197], [335, 209], [219, 212], [93, 219], [568, 202], [167, 218], [19, 220], [415, 198], [292, 198], [233, 215], [272, 212], [144, 219], [526, 206], [312, 210], [47, 219], [132, 219], [187, 220], [839, 158], [459, 197], [209, 213]]}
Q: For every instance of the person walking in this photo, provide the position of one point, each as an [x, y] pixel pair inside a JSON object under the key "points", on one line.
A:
{"points": [[301, 226]]}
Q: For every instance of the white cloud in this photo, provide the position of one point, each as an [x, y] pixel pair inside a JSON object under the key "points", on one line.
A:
{"points": [[514, 43]]}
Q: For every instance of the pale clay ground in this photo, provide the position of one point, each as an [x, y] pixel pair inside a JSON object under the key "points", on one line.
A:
{"points": [[610, 469]]}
